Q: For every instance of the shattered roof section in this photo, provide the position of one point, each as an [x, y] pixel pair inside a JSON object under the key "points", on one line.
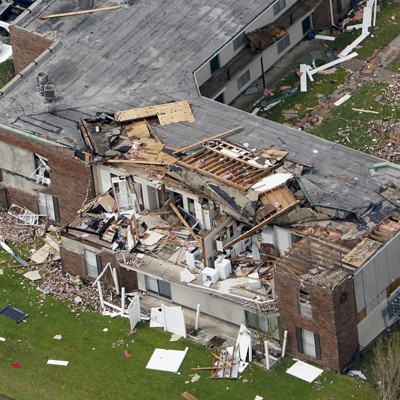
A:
{"points": [[344, 195], [311, 257], [230, 164], [168, 113]]}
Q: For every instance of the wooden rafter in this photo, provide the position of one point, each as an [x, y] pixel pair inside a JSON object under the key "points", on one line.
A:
{"points": [[68, 14], [187, 226], [219, 135]]}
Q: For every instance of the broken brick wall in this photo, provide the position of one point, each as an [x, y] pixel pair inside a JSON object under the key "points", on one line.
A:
{"points": [[321, 17], [27, 46], [71, 183], [73, 263], [333, 319], [126, 278]]}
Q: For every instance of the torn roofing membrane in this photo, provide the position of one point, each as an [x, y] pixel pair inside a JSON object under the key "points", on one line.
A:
{"points": [[343, 195]]}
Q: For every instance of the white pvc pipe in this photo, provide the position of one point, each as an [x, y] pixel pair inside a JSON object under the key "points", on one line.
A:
{"points": [[122, 301], [196, 325], [100, 294], [284, 343], [267, 354]]}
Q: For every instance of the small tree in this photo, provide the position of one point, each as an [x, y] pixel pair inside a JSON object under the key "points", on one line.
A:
{"points": [[386, 366]]}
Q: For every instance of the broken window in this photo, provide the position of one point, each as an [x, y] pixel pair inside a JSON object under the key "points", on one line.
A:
{"points": [[92, 264], [125, 194], [279, 6], [305, 304], [42, 171], [48, 205], [256, 321]]}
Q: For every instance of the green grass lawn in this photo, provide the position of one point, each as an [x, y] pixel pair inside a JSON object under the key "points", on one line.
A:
{"points": [[386, 29], [6, 72], [350, 128], [98, 369], [323, 85]]}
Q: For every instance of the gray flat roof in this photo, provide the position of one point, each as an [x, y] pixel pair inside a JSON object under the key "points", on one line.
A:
{"points": [[137, 55], [144, 54]]}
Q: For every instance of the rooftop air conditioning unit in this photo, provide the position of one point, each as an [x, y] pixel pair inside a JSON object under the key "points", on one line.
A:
{"points": [[223, 266], [192, 256], [210, 275]]}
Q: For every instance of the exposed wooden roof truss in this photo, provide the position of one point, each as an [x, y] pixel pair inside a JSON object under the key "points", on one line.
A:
{"points": [[229, 164], [310, 253]]}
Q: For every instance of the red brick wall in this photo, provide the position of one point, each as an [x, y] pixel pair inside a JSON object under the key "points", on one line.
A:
{"points": [[72, 263], [127, 279], [70, 177], [334, 321], [26, 46], [321, 17]]}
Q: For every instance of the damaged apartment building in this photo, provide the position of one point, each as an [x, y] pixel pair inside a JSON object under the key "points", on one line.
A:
{"points": [[188, 199]]}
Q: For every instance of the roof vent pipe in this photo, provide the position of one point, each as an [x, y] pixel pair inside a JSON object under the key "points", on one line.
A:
{"points": [[49, 94], [41, 80]]}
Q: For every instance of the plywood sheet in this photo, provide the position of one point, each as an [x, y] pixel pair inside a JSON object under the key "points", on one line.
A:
{"points": [[137, 129], [362, 252], [167, 113]]}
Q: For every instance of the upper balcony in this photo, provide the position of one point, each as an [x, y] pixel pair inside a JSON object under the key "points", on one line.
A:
{"points": [[258, 40]]}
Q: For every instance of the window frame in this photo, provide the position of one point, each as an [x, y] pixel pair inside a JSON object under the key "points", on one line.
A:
{"points": [[48, 206], [305, 307], [283, 44], [243, 79], [278, 6], [239, 41]]}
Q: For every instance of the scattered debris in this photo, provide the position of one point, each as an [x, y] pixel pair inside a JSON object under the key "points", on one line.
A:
{"points": [[357, 374], [57, 337], [342, 100], [16, 365]]}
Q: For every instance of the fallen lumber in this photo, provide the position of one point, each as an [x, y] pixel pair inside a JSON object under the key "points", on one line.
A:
{"points": [[365, 111], [68, 14]]}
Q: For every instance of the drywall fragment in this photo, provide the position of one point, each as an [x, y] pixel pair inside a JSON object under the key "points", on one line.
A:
{"points": [[342, 100], [58, 362], [324, 37]]}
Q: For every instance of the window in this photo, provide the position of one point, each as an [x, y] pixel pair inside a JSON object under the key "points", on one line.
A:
{"points": [[48, 205], [279, 6], [92, 264], [308, 343], [42, 171], [123, 194], [305, 304], [220, 98], [214, 63], [239, 41], [158, 286], [283, 43], [256, 321], [306, 25], [243, 79]]}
